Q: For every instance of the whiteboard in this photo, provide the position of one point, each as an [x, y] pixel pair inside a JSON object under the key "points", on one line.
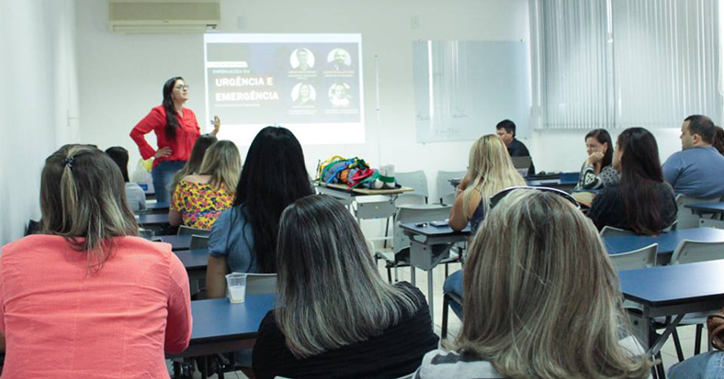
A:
{"points": [[464, 88]]}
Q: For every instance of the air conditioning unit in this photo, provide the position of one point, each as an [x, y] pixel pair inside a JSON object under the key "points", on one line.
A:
{"points": [[163, 16]]}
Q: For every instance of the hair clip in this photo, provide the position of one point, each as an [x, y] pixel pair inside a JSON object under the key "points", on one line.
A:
{"points": [[69, 162]]}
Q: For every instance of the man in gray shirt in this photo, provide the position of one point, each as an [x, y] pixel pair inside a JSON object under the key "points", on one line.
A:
{"points": [[698, 169]]}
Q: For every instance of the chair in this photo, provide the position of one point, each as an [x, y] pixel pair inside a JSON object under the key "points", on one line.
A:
{"points": [[400, 255], [199, 242], [416, 180], [691, 252], [184, 230], [145, 233], [445, 190], [447, 298], [644, 257], [686, 219], [609, 231]]}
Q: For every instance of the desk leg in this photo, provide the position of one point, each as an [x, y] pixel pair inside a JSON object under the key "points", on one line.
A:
{"points": [[430, 297], [412, 275]]}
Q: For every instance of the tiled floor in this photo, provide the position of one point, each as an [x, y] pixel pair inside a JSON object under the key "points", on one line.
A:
{"points": [[687, 333]]}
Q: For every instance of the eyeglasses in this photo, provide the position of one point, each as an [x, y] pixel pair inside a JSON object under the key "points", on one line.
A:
{"points": [[502, 194], [181, 88]]}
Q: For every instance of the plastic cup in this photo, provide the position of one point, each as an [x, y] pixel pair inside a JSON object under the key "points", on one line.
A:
{"points": [[236, 282]]}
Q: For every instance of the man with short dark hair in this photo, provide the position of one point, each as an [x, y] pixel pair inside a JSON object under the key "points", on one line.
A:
{"points": [[506, 131], [698, 169]]}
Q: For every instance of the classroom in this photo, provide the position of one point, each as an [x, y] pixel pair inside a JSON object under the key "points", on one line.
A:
{"points": [[414, 89]]}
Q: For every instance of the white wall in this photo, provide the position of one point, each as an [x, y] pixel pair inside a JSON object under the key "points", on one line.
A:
{"points": [[121, 75], [39, 93]]}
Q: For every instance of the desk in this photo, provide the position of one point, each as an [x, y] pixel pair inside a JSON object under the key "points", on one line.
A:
{"points": [[195, 262], [563, 181], [673, 291], [667, 241], [365, 209], [153, 207], [177, 242], [222, 327], [428, 246], [706, 208], [153, 219]]}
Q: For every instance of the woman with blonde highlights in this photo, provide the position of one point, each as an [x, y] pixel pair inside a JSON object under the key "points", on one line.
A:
{"points": [[541, 299], [87, 297], [198, 199], [490, 170], [335, 316]]}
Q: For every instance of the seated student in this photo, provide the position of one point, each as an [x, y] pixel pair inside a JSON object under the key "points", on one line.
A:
{"points": [[719, 140], [244, 237], [87, 298], [335, 316], [506, 131], [597, 171], [696, 170], [642, 202], [535, 307], [490, 170], [198, 200], [134, 193], [193, 165]]}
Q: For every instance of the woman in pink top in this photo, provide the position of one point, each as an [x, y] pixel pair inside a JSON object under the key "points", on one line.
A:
{"points": [[87, 298]]}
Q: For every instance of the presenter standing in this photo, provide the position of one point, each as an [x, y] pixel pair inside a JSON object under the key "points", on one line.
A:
{"points": [[176, 132]]}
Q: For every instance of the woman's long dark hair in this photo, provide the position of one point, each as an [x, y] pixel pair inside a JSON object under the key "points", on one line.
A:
{"points": [[640, 176], [273, 177], [602, 136], [171, 115], [719, 139]]}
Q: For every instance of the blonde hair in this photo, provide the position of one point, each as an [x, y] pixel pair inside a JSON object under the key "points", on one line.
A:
{"points": [[490, 169], [330, 294], [223, 162], [541, 296], [83, 199]]}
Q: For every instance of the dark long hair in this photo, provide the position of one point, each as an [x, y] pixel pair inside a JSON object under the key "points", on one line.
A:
{"points": [[120, 156], [171, 115], [273, 177], [602, 136], [719, 139], [321, 246], [640, 176]]}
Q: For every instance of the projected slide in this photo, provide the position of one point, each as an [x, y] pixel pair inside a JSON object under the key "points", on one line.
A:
{"points": [[309, 83]]}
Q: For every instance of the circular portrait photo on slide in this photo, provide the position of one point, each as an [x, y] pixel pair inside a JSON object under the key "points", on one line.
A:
{"points": [[340, 58], [302, 59], [304, 94], [339, 94]]}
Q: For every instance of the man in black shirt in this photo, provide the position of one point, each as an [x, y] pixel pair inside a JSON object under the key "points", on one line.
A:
{"points": [[506, 131]]}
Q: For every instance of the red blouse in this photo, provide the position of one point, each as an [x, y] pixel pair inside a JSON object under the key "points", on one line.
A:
{"points": [[186, 135]]}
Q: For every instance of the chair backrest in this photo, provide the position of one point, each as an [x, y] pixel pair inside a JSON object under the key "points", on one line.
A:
{"points": [[687, 219], [692, 251], [416, 180], [261, 283], [608, 231], [145, 233], [415, 213], [445, 190], [370, 246], [184, 230], [644, 257], [199, 242]]}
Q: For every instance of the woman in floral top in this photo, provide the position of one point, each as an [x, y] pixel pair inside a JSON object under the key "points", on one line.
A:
{"points": [[199, 199]]}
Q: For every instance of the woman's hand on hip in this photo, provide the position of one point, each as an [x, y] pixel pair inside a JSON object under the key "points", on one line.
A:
{"points": [[163, 152]]}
